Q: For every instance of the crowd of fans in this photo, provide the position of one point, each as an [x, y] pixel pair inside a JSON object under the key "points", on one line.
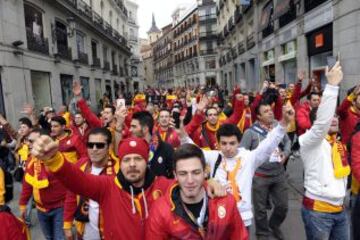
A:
{"points": [[185, 163]]}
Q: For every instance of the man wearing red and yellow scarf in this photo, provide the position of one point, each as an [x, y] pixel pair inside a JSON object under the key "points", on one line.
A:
{"points": [[349, 113], [86, 212], [326, 169], [49, 194], [203, 132]]}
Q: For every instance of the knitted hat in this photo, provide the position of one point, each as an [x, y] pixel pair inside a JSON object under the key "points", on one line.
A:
{"points": [[133, 145]]}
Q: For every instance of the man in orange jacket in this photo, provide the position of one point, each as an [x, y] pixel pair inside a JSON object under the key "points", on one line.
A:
{"points": [[186, 212]]}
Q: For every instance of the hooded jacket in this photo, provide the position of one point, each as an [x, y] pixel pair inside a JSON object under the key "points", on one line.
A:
{"points": [[124, 207]]}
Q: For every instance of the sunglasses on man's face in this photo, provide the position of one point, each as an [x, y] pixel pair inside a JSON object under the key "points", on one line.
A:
{"points": [[98, 145]]}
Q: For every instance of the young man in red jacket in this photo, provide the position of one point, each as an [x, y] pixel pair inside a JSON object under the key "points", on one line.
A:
{"points": [[202, 129], [70, 144], [186, 212], [355, 167], [349, 113], [124, 200], [303, 112], [165, 131]]}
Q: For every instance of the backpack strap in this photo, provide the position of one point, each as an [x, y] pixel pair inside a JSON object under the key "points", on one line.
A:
{"points": [[217, 164], [5, 208]]}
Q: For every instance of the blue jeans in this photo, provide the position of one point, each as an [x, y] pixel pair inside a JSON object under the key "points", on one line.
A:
{"points": [[52, 224], [323, 226]]}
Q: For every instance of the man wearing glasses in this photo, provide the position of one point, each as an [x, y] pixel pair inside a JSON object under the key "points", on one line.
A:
{"points": [[86, 212]]}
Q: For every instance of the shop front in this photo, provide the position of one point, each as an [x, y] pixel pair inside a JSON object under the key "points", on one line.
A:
{"points": [[288, 62], [320, 47]]}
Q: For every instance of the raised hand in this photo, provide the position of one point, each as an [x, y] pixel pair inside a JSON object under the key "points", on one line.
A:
{"points": [[28, 109], [301, 75], [203, 103], [357, 90], [334, 75], [288, 114], [264, 87], [77, 89], [44, 148], [120, 116], [2, 120]]}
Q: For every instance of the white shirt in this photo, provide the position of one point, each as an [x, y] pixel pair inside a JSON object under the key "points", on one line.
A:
{"points": [[91, 231], [319, 179], [250, 161]]}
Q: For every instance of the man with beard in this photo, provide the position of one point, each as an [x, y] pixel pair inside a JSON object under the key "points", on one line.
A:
{"points": [[70, 144], [124, 200], [160, 157], [107, 114], [80, 127], [186, 212], [166, 132]]}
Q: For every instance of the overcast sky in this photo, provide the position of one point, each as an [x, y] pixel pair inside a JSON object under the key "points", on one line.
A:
{"points": [[162, 10]]}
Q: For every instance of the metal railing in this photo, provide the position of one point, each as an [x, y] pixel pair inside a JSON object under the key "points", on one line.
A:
{"points": [[64, 51], [96, 62], [37, 43], [83, 58]]}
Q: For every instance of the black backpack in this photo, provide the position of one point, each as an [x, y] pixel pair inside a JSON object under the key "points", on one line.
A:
{"points": [[9, 184]]}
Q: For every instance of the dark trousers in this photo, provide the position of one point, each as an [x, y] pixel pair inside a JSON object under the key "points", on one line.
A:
{"points": [[277, 189], [356, 218]]}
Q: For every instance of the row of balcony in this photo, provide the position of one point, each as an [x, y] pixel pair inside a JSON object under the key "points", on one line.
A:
{"points": [[86, 11], [158, 57], [184, 58], [237, 50], [207, 35], [184, 26], [185, 42]]}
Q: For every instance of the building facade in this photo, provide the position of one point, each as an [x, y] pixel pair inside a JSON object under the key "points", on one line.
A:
{"points": [[136, 77], [53, 43], [194, 45], [274, 39], [163, 58], [147, 67]]}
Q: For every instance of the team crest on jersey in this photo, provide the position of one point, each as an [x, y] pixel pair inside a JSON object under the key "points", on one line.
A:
{"points": [[156, 194], [221, 212]]}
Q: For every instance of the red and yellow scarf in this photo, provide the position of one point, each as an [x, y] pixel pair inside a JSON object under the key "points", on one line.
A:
{"points": [[244, 121], [339, 157]]}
